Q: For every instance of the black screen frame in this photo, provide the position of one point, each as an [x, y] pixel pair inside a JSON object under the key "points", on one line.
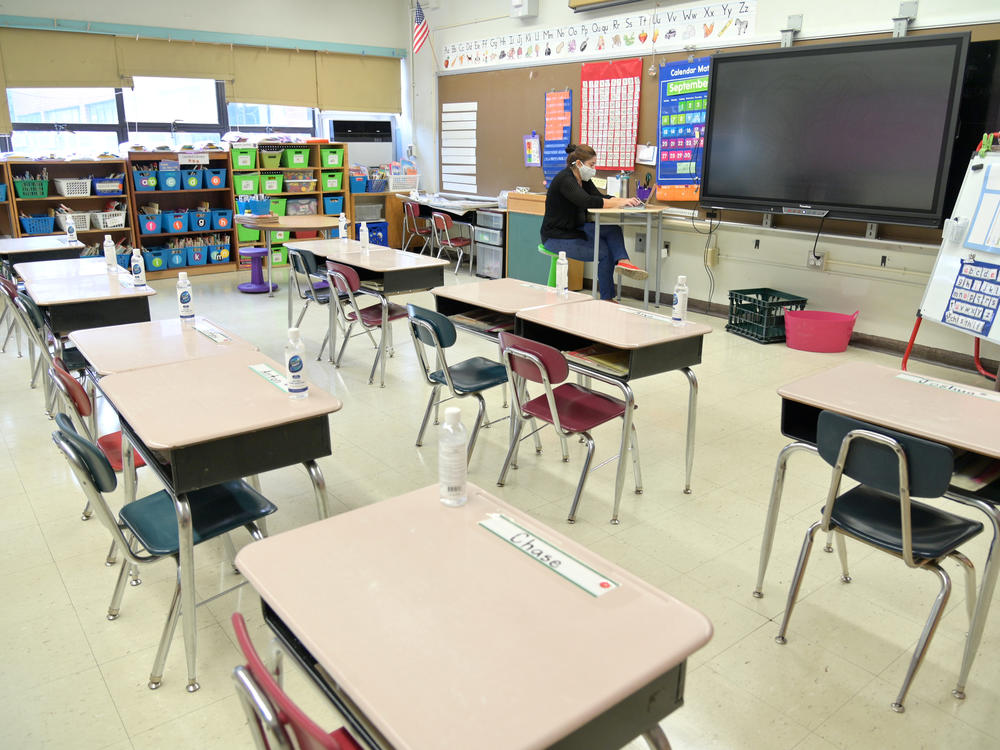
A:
{"points": [[893, 215]]}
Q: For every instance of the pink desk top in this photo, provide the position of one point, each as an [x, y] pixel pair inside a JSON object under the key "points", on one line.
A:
{"points": [[506, 295], [379, 259], [62, 282]]}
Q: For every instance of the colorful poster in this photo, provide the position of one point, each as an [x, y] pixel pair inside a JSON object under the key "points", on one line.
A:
{"points": [[532, 150], [646, 32], [681, 130], [609, 111], [974, 298], [558, 131]]}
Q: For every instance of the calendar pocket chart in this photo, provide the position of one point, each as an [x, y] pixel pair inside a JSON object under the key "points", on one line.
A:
{"points": [[609, 111]]}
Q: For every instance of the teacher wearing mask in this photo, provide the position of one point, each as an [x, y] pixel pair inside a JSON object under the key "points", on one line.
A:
{"points": [[565, 227]]}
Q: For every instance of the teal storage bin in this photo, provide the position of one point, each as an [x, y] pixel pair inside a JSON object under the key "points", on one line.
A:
{"points": [[214, 178], [150, 223], [145, 179], [169, 179], [333, 205], [359, 184], [175, 223], [191, 179], [197, 256], [218, 253], [222, 218], [177, 257], [199, 220], [155, 260]]}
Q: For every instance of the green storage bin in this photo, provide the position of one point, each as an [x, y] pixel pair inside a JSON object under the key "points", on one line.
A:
{"points": [[243, 158], [279, 255], [246, 184], [331, 157], [295, 157], [247, 235], [271, 183], [279, 206], [270, 159], [333, 180], [281, 235]]}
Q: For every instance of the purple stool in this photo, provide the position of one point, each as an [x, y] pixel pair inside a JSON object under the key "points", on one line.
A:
{"points": [[256, 285]]}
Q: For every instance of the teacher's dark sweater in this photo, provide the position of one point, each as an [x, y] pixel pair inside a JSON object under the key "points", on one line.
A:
{"points": [[566, 206]]}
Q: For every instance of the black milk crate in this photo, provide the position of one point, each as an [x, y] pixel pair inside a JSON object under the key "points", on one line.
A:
{"points": [[759, 314]]}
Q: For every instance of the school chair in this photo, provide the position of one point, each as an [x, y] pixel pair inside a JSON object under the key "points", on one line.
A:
{"points": [[42, 357], [416, 227], [152, 522], [891, 467], [273, 717], [467, 378], [309, 285], [442, 225], [8, 293], [570, 408]]}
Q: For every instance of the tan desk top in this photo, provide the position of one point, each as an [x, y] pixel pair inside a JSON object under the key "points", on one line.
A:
{"points": [[506, 295], [420, 611], [136, 345], [62, 282], [643, 210], [614, 325], [310, 221], [36, 244], [966, 417], [379, 259], [198, 400]]}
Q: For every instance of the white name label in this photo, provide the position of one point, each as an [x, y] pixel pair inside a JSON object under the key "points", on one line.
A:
{"points": [[126, 282], [271, 375], [192, 158], [212, 332], [949, 387], [648, 315], [548, 555]]}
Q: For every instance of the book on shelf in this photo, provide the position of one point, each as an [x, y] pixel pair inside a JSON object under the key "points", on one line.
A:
{"points": [[601, 358], [484, 320]]}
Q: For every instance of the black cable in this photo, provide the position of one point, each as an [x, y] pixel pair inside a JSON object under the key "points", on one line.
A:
{"points": [[818, 233]]}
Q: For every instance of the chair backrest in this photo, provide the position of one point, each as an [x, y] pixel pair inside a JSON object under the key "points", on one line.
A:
{"points": [[441, 220], [9, 288], [303, 263], [31, 312], [345, 279], [71, 388], [410, 216], [432, 328], [96, 466], [513, 348], [289, 717]]}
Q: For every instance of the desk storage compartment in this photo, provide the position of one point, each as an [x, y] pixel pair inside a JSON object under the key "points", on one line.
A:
{"points": [[489, 236], [489, 261], [489, 219]]}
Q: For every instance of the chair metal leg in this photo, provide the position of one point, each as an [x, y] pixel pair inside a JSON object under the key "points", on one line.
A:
{"points": [[302, 313], [571, 518], [475, 427], [319, 488], [793, 591], [431, 404], [347, 337], [828, 547], [156, 675], [277, 668], [230, 551], [514, 439], [88, 512], [656, 739], [116, 597], [970, 583], [636, 471], [322, 346], [925, 637], [189, 603], [692, 419], [845, 575]]}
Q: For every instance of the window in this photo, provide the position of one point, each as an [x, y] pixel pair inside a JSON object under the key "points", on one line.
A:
{"points": [[63, 142], [271, 116], [172, 100], [90, 106]]}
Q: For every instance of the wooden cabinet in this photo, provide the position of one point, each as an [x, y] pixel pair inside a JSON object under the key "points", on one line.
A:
{"points": [[8, 224]]}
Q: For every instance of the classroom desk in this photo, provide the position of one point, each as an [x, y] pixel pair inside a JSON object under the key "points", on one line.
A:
{"points": [[222, 421], [455, 204], [620, 217], [956, 415], [653, 345], [428, 630], [80, 293], [31, 249], [267, 224]]}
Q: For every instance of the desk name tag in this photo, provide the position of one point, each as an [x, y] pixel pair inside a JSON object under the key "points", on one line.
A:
{"points": [[949, 387], [271, 375], [649, 315], [212, 332], [548, 555], [529, 285], [126, 281]]}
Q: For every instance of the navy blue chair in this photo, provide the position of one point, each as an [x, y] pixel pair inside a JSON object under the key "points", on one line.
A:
{"points": [[891, 467], [467, 378]]}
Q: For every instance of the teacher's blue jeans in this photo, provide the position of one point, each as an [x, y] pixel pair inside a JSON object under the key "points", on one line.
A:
{"points": [[610, 250]]}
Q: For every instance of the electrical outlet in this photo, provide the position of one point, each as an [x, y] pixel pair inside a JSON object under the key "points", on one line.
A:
{"points": [[816, 259], [640, 243], [665, 252], [712, 257]]}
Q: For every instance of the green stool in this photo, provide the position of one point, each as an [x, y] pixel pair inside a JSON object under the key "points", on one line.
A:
{"points": [[554, 258]]}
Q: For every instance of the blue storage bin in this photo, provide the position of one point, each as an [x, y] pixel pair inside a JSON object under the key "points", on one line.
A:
{"points": [[191, 179], [359, 184], [124, 259], [218, 254], [378, 232], [150, 223], [214, 178], [255, 207], [198, 220], [177, 257], [333, 205], [38, 224], [175, 223], [169, 179], [155, 260], [3, 193], [107, 186], [145, 179], [222, 218], [197, 256]]}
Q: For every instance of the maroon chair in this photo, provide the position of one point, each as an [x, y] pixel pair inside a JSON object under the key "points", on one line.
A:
{"points": [[276, 722], [374, 317], [442, 225], [572, 409], [415, 226]]}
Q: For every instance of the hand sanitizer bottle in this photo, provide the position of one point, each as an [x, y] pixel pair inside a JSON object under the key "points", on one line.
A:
{"points": [[452, 461], [138, 268], [295, 365], [109, 254], [342, 228], [363, 235], [562, 275], [679, 314], [185, 305], [70, 229]]}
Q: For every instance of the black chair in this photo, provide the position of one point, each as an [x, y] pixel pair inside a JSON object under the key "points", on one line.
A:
{"points": [[891, 467], [310, 285]]}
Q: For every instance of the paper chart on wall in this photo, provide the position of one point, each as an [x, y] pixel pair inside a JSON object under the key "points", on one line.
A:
{"points": [[681, 129], [558, 131], [984, 229], [609, 111], [458, 147]]}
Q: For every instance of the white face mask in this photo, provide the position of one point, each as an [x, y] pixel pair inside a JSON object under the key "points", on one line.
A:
{"points": [[586, 173]]}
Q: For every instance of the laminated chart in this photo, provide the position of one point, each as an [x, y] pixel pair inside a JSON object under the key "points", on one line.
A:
{"points": [[681, 129], [609, 111], [984, 229], [974, 298], [558, 131]]}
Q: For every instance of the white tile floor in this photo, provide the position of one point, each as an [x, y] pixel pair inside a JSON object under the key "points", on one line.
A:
{"points": [[73, 679]]}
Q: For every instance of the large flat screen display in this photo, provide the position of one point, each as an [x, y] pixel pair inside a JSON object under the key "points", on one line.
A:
{"points": [[859, 131]]}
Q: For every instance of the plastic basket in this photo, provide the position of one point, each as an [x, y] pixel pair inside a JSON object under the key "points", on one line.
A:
{"points": [[31, 188], [243, 234], [108, 186], [331, 157], [197, 256], [367, 212], [177, 257], [156, 260], [270, 159], [123, 259], [359, 184], [3, 193], [403, 182], [759, 314], [243, 158], [300, 186], [218, 253], [333, 180], [280, 235], [271, 183], [222, 218], [214, 178], [302, 206], [81, 221], [192, 179], [72, 188], [169, 179], [107, 219], [37, 224], [817, 331], [199, 221], [175, 222], [378, 232], [279, 255], [151, 224], [145, 179], [279, 206], [246, 184], [295, 157], [377, 186], [256, 207], [333, 205]]}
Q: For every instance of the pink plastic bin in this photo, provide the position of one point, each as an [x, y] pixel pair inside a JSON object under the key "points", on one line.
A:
{"points": [[815, 331]]}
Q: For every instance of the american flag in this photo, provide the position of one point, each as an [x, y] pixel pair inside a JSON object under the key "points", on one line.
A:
{"points": [[420, 30]]}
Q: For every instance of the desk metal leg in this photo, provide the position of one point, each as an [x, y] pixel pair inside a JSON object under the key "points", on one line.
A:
{"points": [[659, 255], [692, 418], [319, 488], [772, 509], [623, 448], [189, 597], [656, 739], [270, 288], [595, 292], [645, 283], [334, 309]]}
